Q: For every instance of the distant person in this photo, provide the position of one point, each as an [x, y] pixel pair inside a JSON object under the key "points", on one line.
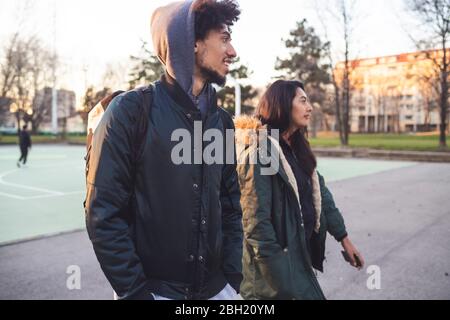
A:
{"points": [[25, 144]]}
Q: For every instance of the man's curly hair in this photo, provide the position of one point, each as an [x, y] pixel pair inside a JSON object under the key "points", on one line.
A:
{"points": [[213, 15]]}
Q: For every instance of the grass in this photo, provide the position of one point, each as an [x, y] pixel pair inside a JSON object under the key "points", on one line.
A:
{"points": [[34, 139], [418, 142], [77, 139], [383, 141], [8, 139]]}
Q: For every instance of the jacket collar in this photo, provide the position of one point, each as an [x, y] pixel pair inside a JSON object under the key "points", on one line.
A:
{"points": [[182, 98], [177, 93]]}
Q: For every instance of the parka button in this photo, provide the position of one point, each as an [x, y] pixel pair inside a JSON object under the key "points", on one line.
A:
{"points": [[285, 250], [191, 258], [200, 259], [189, 115], [195, 186], [203, 221]]}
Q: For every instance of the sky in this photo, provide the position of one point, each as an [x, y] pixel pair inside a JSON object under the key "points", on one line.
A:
{"points": [[92, 34]]}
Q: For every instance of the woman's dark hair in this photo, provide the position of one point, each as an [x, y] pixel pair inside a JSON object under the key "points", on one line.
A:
{"points": [[275, 111], [213, 15]]}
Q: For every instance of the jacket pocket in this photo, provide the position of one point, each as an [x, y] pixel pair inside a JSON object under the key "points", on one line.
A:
{"points": [[304, 282], [273, 278]]}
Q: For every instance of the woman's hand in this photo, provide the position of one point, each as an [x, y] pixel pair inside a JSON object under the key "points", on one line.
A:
{"points": [[353, 254]]}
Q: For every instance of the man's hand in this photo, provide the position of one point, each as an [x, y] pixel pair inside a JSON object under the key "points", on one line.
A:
{"points": [[352, 253]]}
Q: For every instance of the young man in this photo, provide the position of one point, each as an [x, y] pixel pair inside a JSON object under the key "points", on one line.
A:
{"points": [[25, 145], [159, 229]]}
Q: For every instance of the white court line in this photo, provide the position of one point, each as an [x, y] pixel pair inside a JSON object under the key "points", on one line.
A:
{"points": [[62, 194], [53, 195], [50, 193], [35, 157], [12, 196], [20, 186]]}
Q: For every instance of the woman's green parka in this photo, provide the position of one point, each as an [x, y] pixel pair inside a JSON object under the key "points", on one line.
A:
{"points": [[276, 262]]}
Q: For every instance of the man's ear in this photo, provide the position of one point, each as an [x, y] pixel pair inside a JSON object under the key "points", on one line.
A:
{"points": [[199, 44]]}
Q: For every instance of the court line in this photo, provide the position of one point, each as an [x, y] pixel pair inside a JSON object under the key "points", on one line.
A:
{"points": [[20, 186], [36, 157], [62, 194], [4, 174], [49, 193], [54, 195], [12, 196]]}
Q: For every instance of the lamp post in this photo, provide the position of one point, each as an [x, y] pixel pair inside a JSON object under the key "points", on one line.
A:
{"points": [[237, 96]]}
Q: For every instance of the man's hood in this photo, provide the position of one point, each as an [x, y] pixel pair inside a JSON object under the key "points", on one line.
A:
{"points": [[173, 35]]}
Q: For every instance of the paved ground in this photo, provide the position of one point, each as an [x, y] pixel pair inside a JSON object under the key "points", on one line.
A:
{"points": [[399, 219], [46, 197]]}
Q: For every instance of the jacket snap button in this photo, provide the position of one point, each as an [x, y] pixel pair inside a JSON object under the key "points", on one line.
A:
{"points": [[203, 221], [189, 115], [285, 250], [200, 259], [195, 186]]}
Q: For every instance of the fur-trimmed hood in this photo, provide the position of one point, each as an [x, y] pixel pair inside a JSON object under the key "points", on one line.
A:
{"points": [[249, 129]]}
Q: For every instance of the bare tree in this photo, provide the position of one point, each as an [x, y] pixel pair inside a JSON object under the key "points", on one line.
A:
{"points": [[429, 90], [40, 76], [18, 65], [435, 21], [27, 63], [346, 24], [20, 91], [343, 14], [7, 77]]}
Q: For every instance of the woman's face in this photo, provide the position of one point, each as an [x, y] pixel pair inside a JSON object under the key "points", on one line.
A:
{"points": [[301, 110]]}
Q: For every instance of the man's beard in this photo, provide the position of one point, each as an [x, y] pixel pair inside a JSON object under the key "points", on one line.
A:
{"points": [[213, 76]]}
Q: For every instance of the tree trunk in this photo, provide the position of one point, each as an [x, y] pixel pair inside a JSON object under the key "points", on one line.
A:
{"points": [[443, 107], [338, 112], [346, 99], [444, 97]]}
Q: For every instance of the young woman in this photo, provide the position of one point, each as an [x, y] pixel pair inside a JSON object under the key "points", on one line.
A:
{"points": [[286, 215]]}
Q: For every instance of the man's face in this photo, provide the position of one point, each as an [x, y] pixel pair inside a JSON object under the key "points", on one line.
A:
{"points": [[214, 54]]}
